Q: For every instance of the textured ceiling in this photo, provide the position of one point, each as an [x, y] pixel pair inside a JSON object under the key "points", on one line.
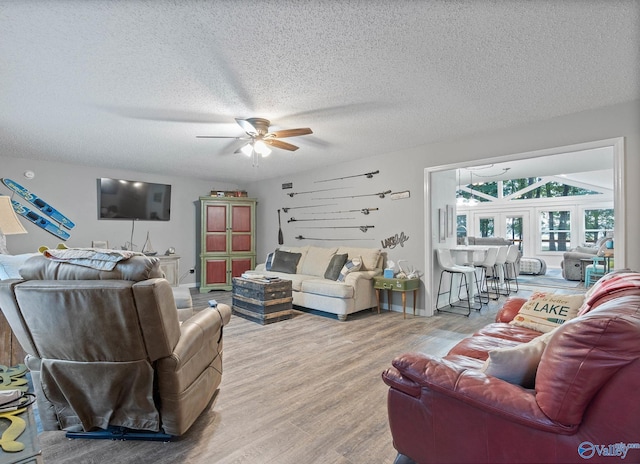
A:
{"points": [[129, 84]]}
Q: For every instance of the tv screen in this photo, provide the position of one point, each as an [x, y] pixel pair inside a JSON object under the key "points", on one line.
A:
{"points": [[128, 199]]}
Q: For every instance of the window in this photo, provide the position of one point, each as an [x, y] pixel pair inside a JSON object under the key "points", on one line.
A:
{"points": [[555, 230], [487, 227], [514, 228], [461, 229], [597, 223]]}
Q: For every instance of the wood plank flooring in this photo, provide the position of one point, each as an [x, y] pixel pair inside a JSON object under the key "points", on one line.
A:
{"points": [[305, 390]]}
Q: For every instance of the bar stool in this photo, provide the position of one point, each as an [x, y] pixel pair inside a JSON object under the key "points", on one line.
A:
{"points": [[511, 271], [487, 263], [500, 271], [448, 266]]}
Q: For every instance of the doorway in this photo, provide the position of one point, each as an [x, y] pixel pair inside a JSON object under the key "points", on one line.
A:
{"points": [[570, 153]]}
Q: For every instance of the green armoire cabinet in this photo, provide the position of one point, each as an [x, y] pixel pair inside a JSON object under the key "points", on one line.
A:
{"points": [[228, 242]]}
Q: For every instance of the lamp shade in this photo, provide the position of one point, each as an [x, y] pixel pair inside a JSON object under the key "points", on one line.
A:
{"points": [[9, 222]]}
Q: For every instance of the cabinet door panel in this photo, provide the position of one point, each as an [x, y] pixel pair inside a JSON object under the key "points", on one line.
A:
{"points": [[241, 218], [240, 265], [216, 271], [241, 242], [216, 243], [216, 218]]}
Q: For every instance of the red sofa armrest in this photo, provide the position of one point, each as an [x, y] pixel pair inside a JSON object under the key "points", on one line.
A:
{"points": [[510, 309], [494, 396], [394, 379]]}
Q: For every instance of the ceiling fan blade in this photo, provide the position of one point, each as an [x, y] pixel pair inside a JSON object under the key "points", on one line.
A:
{"points": [[290, 133], [247, 127], [280, 144]]}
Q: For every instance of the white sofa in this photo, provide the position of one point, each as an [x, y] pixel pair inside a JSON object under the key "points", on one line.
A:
{"points": [[313, 291]]}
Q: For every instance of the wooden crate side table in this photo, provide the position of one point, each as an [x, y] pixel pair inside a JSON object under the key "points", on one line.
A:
{"points": [[260, 301], [397, 285]]}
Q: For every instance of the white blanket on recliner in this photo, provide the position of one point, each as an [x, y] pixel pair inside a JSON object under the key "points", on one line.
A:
{"points": [[95, 258]]}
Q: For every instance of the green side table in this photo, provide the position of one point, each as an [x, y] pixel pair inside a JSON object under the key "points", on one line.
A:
{"points": [[397, 285]]}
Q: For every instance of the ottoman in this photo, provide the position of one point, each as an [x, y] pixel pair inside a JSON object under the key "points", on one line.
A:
{"points": [[533, 266]]}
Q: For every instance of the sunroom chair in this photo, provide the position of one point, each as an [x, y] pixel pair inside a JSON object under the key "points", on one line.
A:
{"points": [[594, 271], [106, 351]]}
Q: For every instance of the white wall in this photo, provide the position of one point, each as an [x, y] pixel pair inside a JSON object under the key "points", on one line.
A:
{"points": [[72, 189], [405, 171]]}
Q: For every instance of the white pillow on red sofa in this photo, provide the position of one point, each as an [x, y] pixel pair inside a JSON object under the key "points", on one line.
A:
{"points": [[544, 311], [519, 364]]}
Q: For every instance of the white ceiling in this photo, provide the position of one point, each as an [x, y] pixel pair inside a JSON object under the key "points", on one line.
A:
{"points": [[592, 167], [129, 84]]}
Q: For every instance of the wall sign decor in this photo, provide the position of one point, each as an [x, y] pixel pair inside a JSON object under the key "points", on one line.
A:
{"points": [[287, 185], [394, 241], [286, 210], [368, 175], [379, 194], [400, 195]]}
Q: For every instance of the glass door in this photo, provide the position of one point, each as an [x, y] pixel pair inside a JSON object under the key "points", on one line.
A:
{"points": [[511, 225]]}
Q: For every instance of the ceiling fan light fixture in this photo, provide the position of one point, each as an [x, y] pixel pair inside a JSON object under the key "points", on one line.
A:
{"points": [[261, 148], [247, 149]]}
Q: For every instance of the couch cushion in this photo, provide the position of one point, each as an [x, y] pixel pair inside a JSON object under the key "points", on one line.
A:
{"points": [[544, 311], [584, 354], [335, 266], [508, 332], [478, 347], [353, 265], [316, 261], [296, 279], [327, 288], [269, 261], [370, 256], [136, 268], [284, 261], [518, 364], [303, 252]]}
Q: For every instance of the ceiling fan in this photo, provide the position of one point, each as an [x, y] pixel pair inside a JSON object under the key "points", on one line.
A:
{"points": [[259, 137]]}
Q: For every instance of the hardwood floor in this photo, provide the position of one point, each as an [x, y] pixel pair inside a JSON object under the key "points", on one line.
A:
{"points": [[304, 390]]}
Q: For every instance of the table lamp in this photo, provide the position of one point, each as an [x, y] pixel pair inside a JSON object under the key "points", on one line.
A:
{"points": [[9, 223]]}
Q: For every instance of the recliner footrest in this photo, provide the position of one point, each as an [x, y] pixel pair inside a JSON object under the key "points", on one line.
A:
{"points": [[121, 433]]}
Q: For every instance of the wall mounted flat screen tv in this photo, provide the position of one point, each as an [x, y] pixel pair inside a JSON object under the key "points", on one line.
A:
{"points": [[128, 199]]}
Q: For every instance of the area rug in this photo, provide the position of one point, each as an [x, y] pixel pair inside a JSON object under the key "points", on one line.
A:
{"points": [[552, 278]]}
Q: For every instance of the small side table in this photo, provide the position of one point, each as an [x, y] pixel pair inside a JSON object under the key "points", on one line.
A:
{"points": [[397, 285]]}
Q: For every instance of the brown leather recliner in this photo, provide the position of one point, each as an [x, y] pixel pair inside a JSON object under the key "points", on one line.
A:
{"points": [[106, 350], [585, 404]]}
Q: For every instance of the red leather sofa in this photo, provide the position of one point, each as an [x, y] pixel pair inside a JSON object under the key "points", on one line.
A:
{"points": [[584, 406]]}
